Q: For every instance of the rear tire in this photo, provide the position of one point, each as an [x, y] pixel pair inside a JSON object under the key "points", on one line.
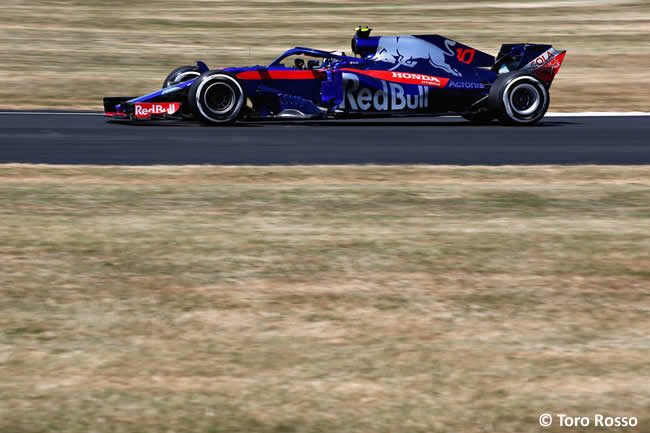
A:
{"points": [[216, 98], [519, 99]]}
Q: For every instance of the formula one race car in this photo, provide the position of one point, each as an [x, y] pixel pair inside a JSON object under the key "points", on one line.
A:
{"points": [[388, 76]]}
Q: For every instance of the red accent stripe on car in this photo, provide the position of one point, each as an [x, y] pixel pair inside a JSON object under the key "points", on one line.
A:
{"points": [[281, 75], [115, 114], [403, 77]]}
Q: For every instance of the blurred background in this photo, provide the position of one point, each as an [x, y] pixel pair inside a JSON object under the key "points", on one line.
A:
{"points": [[69, 54]]}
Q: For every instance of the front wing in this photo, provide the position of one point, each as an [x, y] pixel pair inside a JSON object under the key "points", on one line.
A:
{"points": [[120, 109]]}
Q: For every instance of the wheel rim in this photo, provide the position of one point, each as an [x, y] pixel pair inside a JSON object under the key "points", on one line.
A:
{"points": [[219, 98], [198, 101], [525, 99]]}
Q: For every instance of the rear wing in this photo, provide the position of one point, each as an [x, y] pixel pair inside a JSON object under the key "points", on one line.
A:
{"points": [[544, 61]]}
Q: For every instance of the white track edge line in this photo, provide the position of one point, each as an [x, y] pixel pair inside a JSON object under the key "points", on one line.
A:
{"points": [[600, 114]]}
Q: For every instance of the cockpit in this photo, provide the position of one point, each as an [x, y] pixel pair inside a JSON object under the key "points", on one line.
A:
{"points": [[301, 63], [309, 59]]}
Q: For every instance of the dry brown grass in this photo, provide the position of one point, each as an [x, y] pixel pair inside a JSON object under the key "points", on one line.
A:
{"points": [[313, 299], [68, 54]]}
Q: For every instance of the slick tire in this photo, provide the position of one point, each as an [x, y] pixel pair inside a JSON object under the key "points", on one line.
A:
{"points": [[178, 75], [216, 98], [519, 99]]}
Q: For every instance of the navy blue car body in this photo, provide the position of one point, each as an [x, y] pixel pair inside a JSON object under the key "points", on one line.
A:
{"points": [[387, 76]]}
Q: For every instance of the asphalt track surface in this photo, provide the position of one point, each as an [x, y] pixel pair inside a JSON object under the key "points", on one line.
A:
{"points": [[52, 138]]}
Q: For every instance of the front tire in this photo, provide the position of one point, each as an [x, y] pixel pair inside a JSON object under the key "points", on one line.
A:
{"points": [[519, 99], [216, 98], [179, 75]]}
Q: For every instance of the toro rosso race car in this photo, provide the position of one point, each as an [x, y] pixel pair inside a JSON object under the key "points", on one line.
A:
{"points": [[387, 76]]}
